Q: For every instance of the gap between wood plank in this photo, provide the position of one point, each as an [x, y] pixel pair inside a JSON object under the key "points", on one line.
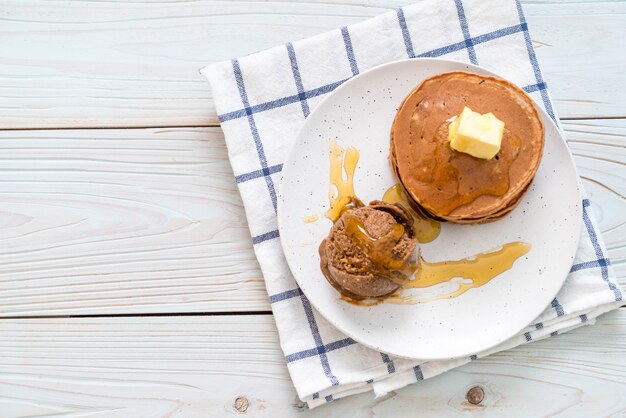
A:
{"points": [[216, 125], [86, 128], [135, 315]]}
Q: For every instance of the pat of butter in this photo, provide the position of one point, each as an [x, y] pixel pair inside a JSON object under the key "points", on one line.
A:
{"points": [[475, 134]]}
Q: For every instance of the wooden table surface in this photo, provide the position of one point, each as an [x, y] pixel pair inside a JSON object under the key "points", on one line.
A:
{"points": [[128, 284]]}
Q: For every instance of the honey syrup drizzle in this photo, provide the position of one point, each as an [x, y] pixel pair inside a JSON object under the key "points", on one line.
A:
{"points": [[309, 219], [479, 269], [341, 190], [380, 250], [426, 230]]}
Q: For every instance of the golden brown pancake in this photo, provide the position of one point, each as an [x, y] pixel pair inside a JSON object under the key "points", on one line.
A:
{"points": [[455, 186], [483, 219]]}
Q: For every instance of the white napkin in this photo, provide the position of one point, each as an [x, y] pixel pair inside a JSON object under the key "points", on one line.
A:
{"points": [[263, 99]]}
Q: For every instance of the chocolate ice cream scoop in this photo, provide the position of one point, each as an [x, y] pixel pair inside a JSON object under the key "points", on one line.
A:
{"points": [[369, 251]]}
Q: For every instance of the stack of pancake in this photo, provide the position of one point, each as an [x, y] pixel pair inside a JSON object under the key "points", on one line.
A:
{"points": [[453, 186]]}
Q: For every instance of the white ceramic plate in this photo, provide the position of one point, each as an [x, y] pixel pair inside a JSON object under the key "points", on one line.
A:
{"points": [[359, 113]]}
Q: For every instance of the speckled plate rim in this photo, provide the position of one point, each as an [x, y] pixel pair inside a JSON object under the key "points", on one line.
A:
{"points": [[287, 172]]}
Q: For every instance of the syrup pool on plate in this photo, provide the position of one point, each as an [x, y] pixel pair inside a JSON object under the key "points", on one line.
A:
{"points": [[426, 230], [480, 269]]}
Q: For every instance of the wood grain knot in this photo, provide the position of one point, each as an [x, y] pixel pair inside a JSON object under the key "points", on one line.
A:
{"points": [[299, 405], [241, 404], [475, 395]]}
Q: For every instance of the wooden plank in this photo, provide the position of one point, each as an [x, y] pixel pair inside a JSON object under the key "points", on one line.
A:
{"points": [[118, 221], [198, 366], [150, 220], [599, 149], [572, 62], [124, 64]]}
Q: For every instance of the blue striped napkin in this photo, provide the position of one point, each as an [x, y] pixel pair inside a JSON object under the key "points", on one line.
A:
{"points": [[263, 99]]}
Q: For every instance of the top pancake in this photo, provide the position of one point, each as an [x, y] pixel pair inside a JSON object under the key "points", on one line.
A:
{"points": [[453, 185]]}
